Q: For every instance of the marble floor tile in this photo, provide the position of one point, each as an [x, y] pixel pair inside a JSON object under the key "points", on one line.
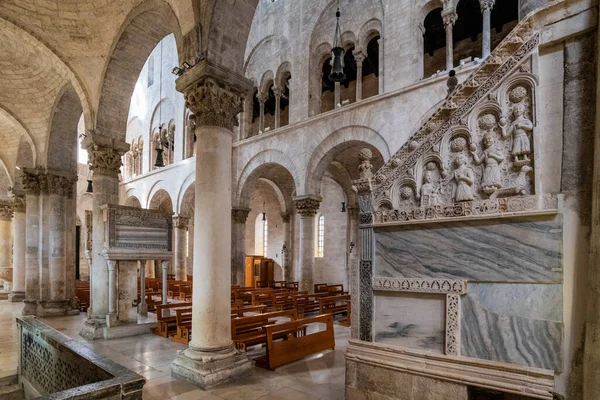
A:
{"points": [[320, 376]]}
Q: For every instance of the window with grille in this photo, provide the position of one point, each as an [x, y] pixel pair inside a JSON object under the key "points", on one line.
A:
{"points": [[265, 236], [321, 236]]}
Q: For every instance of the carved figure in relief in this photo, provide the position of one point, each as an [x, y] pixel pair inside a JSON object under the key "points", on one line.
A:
{"points": [[429, 192], [519, 129], [464, 178], [492, 157]]}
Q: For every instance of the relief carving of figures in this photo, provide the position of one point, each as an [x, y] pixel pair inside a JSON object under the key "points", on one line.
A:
{"points": [[491, 157], [365, 167], [464, 179], [519, 129], [429, 192]]}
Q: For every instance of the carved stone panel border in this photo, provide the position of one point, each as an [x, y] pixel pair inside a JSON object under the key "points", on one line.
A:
{"points": [[453, 324], [422, 285], [366, 301]]}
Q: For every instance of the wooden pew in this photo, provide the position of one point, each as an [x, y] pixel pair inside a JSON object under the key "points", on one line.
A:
{"points": [[240, 311], [260, 297], [283, 301], [167, 325], [304, 303], [82, 292], [294, 345], [185, 291], [335, 290], [292, 286], [336, 305], [183, 319], [247, 331], [320, 287]]}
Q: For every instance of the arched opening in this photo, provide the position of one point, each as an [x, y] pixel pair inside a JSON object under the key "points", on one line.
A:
{"points": [[133, 201], [161, 200], [370, 69], [284, 104], [434, 42]]}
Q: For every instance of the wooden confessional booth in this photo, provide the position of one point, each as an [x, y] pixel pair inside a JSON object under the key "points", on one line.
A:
{"points": [[259, 271]]}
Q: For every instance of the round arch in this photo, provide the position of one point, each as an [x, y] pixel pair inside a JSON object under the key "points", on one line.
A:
{"points": [[133, 201], [161, 200]]}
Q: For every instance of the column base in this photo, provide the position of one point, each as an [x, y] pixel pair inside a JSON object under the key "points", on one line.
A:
{"points": [[55, 308], [30, 307], [98, 328], [16, 297], [208, 369]]}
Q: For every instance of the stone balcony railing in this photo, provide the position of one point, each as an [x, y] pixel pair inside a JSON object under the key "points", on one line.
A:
{"points": [[54, 366]]}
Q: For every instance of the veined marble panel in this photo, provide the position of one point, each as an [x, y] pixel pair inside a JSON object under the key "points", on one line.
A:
{"points": [[522, 300], [524, 250], [414, 320], [510, 339]]}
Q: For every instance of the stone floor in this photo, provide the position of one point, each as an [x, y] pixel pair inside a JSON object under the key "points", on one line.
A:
{"points": [[320, 376]]}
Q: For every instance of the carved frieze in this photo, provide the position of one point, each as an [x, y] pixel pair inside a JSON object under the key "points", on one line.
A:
{"points": [[6, 210], [239, 215], [453, 324], [421, 285], [213, 104], [307, 206]]}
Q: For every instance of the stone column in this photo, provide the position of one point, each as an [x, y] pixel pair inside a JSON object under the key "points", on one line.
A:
{"points": [[190, 257], [449, 17], [181, 225], [104, 160], [486, 36], [278, 93], [238, 245], [247, 122], [286, 250], [165, 267], [359, 57], [32, 220], [307, 207], [337, 102], [6, 214], [143, 306], [211, 358], [261, 121], [19, 238], [112, 290]]}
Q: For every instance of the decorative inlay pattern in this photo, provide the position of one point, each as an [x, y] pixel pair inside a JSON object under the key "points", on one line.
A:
{"points": [[452, 324], [366, 301], [135, 228], [448, 286]]}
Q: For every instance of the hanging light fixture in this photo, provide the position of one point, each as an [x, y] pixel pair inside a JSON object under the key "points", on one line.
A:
{"points": [[264, 218], [159, 149], [159, 153], [337, 53], [343, 206], [90, 187]]}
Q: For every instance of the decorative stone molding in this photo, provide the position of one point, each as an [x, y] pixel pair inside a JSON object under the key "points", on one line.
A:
{"points": [[307, 206], [180, 222], [38, 181], [19, 204], [422, 285], [30, 180], [89, 223], [239, 215], [134, 222], [213, 104], [6, 210], [104, 161], [452, 324], [366, 301]]}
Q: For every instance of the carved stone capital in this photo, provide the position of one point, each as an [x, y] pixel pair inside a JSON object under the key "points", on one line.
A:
{"points": [[449, 17], [285, 217], [32, 184], [486, 5], [277, 91], [239, 215], [180, 222], [213, 104], [6, 210], [19, 204], [59, 185], [307, 205], [362, 186], [104, 161], [262, 98], [359, 56]]}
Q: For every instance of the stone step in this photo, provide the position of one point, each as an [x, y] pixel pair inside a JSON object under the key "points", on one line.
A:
{"points": [[11, 392]]}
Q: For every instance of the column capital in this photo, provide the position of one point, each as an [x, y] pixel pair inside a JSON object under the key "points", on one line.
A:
{"points": [[262, 98], [214, 94], [359, 56], [104, 154], [285, 217], [239, 215], [31, 182], [60, 185], [6, 210], [181, 222], [277, 91], [307, 205], [19, 203], [486, 5], [449, 17]]}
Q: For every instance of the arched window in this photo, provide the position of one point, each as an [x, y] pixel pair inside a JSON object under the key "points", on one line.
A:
{"points": [[265, 236], [320, 236], [261, 234]]}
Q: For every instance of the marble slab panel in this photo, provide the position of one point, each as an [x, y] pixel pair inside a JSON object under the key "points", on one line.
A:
{"points": [[511, 339], [414, 320], [533, 301], [523, 250]]}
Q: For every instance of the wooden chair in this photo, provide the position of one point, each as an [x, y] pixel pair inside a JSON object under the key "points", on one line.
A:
{"points": [[336, 305], [288, 341]]}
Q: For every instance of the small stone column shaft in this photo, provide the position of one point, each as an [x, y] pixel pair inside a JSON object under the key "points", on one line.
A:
{"points": [[307, 207], [181, 225], [359, 57], [261, 122], [143, 306], [337, 96], [486, 36], [278, 93], [19, 238], [285, 254], [449, 17], [238, 245], [112, 287], [165, 267]]}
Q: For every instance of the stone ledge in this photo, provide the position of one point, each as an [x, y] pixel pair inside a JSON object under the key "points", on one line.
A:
{"points": [[527, 381]]}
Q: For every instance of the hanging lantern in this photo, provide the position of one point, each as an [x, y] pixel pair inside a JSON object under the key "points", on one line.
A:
{"points": [[159, 158], [343, 206], [90, 188], [337, 53], [264, 218]]}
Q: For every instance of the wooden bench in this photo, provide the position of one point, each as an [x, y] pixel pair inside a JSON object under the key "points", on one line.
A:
{"points": [[183, 318], [292, 286], [185, 291], [167, 325], [335, 290], [283, 301], [320, 287], [240, 311], [247, 331], [336, 305], [294, 345], [82, 292], [304, 303]]}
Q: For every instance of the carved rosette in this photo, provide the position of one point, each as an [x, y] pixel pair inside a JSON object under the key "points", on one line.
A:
{"points": [[181, 223], [104, 161], [213, 104], [19, 204], [6, 210], [307, 206], [239, 215]]}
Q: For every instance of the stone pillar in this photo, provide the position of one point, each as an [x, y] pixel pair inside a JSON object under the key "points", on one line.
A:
{"points": [[286, 250], [143, 306], [211, 358], [449, 17], [261, 121], [19, 238], [112, 290], [307, 207], [104, 160], [6, 214], [359, 57], [57, 272], [337, 102], [165, 267], [238, 245], [32, 220], [181, 225], [278, 93], [486, 36], [190, 257], [247, 122]]}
